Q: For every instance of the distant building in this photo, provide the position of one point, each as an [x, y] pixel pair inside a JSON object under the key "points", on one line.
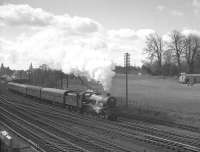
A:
{"points": [[44, 67], [20, 75], [5, 70], [189, 78]]}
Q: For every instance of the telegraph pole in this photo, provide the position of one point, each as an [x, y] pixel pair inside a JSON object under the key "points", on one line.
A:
{"points": [[126, 65], [61, 79], [67, 78]]}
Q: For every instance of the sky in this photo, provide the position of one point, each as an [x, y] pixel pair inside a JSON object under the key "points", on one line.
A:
{"points": [[111, 27], [159, 15]]}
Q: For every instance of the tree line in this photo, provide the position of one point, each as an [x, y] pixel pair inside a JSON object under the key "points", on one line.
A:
{"points": [[181, 53]]}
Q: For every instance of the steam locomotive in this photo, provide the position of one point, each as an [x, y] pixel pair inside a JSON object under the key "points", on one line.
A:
{"points": [[82, 101]]}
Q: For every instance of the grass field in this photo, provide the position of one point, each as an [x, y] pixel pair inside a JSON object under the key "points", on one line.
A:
{"points": [[180, 101]]}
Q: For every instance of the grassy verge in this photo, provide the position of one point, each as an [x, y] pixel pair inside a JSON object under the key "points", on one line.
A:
{"points": [[153, 116], [148, 113], [144, 112]]}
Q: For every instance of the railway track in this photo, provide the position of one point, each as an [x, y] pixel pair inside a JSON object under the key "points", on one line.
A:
{"points": [[69, 124], [155, 140], [119, 131], [45, 140], [88, 142], [136, 120], [138, 127], [165, 123], [194, 141], [32, 145]]}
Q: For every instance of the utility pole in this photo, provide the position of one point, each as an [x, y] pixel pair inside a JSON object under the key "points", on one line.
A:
{"points": [[30, 74], [61, 79], [67, 78], [126, 65]]}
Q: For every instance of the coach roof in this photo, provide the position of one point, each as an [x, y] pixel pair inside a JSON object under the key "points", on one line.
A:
{"points": [[34, 87], [54, 90], [17, 84]]}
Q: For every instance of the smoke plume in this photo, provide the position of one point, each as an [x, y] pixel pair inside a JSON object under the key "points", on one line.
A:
{"points": [[76, 45], [80, 56]]}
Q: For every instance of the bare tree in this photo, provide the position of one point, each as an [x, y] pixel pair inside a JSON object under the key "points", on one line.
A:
{"points": [[192, 43], [155, 48], [168, 57], [177, 46]]}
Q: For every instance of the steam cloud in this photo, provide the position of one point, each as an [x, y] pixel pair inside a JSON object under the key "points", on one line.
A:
{"points": [[73, 44], [53, 47]]}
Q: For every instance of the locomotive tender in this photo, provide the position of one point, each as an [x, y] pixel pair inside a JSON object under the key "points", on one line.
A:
{"points": [[82, 101]]}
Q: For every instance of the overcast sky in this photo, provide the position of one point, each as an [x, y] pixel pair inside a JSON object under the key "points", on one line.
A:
{"points": [[159, 15], [112, 26]]}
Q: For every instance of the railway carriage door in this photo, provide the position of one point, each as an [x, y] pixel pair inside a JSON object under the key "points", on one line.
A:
{"points": [[78, 100], [64, 99], [81, 100], [40, 93]]}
